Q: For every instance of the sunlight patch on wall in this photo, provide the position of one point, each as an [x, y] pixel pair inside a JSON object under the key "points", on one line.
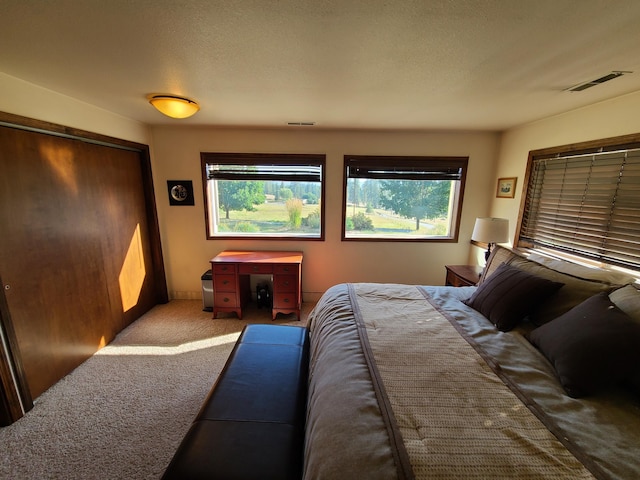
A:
{"points": [[169, 350], [61, 161], [132, 273]]}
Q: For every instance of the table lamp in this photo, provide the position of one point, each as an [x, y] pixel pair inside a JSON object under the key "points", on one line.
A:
{"points": [[490, 231]]}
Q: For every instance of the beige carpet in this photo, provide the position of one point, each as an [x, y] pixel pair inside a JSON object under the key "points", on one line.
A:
{"points": [[123, 412]]}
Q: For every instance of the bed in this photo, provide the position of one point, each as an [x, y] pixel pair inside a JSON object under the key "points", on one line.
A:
{"points": [[519, 377]]}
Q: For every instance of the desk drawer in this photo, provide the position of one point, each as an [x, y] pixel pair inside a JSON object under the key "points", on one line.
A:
{"points": [[224, 268], [285, 300], [257, 268], [224, 283], [226, 299], [285, 283], [286, 268]]}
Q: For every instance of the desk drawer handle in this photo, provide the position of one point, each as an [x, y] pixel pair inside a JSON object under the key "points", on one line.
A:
{"points": [[286, 300], [225, 299], [226, 282], [255, 268]]}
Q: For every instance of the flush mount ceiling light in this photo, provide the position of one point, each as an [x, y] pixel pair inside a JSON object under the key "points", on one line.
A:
{"points": [[174, 106]]}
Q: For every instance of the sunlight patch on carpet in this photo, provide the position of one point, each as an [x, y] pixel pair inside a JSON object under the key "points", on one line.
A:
{"points": [[168, 350]]}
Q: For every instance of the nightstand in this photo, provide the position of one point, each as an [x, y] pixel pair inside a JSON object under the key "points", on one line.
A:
{"points": [[462, 275]]}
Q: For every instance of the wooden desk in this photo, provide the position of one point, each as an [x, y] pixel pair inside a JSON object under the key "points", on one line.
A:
{"points": [[231, 271]]}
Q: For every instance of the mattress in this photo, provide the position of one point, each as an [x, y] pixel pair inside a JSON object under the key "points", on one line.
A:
{"points": [[407, 381]]}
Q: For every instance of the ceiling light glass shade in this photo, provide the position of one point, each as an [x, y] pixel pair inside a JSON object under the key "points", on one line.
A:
{"points": [[174, 107]]}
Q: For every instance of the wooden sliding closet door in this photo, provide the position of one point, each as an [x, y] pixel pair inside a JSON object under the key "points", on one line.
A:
{"points": [[79, 255]]}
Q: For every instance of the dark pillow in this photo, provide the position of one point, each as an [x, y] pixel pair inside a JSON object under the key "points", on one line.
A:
{"points": [[575, 291], [591, 347], [509, 295]]}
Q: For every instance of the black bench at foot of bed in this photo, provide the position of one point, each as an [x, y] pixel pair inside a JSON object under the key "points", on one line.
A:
{"points": [[251, 425]]}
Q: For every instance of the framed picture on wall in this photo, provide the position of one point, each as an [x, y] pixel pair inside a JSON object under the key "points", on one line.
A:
{"points": [[180, 192], [506, 187]]}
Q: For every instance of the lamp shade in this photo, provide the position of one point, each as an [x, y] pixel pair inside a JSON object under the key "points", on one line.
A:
{"points": [[173, 106], [491, 230]]}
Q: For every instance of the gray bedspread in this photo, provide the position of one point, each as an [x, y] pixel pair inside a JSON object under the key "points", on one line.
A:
{"points": [[409, 382]]}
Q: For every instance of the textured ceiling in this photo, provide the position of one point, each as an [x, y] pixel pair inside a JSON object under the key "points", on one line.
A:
{"points": [[457, 64]]}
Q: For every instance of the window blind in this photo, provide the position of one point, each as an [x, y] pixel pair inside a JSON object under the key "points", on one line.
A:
{"points": [[406, 168], [283, 167], [587, 204], [286, 173]]}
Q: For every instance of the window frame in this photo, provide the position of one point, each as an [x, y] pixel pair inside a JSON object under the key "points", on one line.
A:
{"points": [[595, 147], [407, 168], [266, 159]]}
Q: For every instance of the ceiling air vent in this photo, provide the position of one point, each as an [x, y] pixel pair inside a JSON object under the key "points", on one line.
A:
{"points": [[597, 81], [301, 124]]}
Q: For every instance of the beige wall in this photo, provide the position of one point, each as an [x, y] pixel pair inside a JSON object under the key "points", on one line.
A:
{"points": [[175, 155], [28, 100], [187, 252], [605, 119]]}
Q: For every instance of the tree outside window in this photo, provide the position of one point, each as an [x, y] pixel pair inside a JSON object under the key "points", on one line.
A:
{"points": [[263, 195], [403, 198]]}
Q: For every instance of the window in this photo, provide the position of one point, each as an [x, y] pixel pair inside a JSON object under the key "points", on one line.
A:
{"points": [[585, 201], [403, 198], [264, 195]]}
